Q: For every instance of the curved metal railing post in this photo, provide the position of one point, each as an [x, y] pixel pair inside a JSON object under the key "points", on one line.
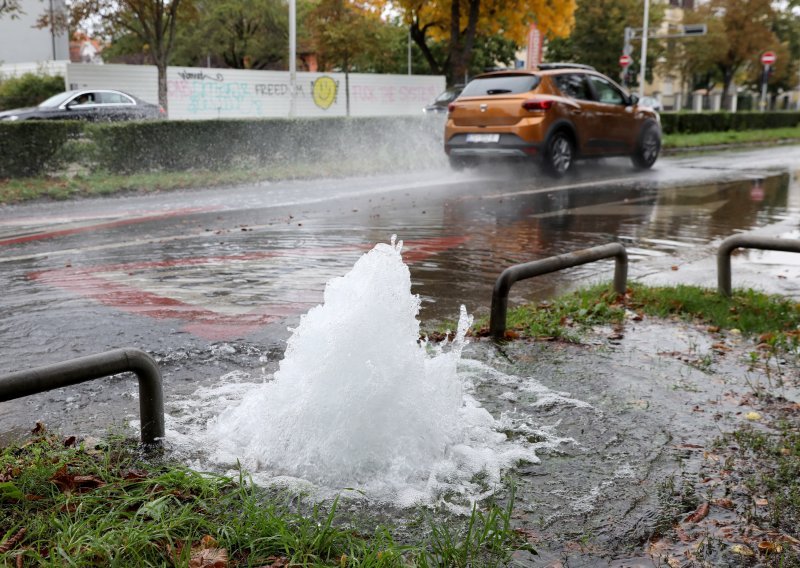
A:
{"points": [[82, 369], [746, 241], [497, 318]]}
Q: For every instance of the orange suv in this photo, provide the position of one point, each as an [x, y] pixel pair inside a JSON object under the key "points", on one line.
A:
{"points": [[556, 114]]}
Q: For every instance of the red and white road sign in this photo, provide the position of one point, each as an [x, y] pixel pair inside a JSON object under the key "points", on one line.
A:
{"points": [[768, 58], [625, 60]]}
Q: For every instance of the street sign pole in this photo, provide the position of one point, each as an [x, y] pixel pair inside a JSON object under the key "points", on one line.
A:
{"points": [[768, 59]]}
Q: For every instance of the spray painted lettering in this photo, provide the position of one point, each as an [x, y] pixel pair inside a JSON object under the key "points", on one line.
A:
{"points": [[199, 76]]}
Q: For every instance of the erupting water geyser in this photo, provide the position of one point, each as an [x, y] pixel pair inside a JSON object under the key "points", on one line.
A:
{"points": [[359, 401]]}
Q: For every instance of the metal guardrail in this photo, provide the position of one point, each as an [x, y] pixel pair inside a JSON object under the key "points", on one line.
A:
{"points": [[746, 241], [82, 369], [497, 318]]}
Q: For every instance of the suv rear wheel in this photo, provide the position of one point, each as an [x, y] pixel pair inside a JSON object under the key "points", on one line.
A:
{"points": [[648, 147], [559, 154]]}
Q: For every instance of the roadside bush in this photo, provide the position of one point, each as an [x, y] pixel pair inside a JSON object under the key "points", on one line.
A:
{"points": [[692, 123], [30, 148], [28, 90]]}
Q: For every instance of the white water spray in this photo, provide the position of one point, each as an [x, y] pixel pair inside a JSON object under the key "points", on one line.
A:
{"points": [[359, 401]]}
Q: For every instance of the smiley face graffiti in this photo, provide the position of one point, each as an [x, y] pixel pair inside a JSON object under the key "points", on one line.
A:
{"points": [[324, 92]]}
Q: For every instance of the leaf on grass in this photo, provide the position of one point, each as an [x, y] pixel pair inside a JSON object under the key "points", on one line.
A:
{"points": [[724, 502], [761, 502], [13, 541], [69, 441], [742, 550], [134, 475], [699, 514], [769, 546], [208, 558], [40, 428], [69, 483]]}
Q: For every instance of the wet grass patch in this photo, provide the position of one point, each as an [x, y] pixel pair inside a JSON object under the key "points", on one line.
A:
{"points": [[731, 137], [67, 503], [745, 505], [774, 320]]}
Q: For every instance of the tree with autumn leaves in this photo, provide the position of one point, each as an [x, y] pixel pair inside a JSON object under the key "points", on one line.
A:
{"points": [[458, 24]]}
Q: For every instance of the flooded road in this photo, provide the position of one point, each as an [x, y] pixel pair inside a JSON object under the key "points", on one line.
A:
{"points": [[210, 282]]}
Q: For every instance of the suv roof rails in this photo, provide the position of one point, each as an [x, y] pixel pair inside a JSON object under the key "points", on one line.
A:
{"points": [[549, 66]]}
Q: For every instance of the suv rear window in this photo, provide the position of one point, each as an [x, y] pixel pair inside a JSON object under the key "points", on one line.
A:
{"points": [[500, 85]]}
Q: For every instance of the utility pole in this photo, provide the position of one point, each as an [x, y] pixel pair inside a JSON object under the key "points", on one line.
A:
{"points": [[292, 57], [409, 51], [644, 46]]}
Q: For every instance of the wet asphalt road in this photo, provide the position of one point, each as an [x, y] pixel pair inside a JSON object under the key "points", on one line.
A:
{"points": [[209, 281]]}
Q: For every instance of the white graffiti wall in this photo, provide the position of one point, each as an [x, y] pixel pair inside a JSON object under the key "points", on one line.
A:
{"points": [[202, 93]]}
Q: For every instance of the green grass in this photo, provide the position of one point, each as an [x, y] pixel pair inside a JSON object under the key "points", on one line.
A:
{"points": [[677, 141], [63, 504], [774, 319]]}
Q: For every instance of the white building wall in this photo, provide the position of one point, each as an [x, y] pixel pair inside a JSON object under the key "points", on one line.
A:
{"points": [[21, 41], [202, 93], [197, 93]]}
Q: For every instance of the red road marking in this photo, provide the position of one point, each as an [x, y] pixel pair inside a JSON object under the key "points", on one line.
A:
{"points": [[201, 321], [111, 224]]}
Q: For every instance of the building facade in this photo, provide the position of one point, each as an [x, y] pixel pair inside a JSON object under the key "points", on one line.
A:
{"points": [[21, 41]]}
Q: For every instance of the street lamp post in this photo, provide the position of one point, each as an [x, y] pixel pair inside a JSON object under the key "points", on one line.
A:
{"points": [[644, 46], [292, 57]]}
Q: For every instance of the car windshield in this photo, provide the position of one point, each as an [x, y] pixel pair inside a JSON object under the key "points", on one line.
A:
{"points": [[500, 85], [56, 100]]}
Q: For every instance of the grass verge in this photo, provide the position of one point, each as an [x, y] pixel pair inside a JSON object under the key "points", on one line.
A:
{"points": [[99, 183], [64, 503], [775, 320]]}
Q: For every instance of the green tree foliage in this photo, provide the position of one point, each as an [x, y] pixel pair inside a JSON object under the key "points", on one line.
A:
{"points": [[447, 32], [153, 22], [599, 36], [739, 32], [241, 34], [28, 90], [345, 36]]}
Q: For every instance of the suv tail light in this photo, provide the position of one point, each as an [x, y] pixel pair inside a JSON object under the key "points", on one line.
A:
{"points": [[451, 107], [537, 104]]}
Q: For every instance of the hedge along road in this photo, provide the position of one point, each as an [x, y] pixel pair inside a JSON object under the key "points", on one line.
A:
{"points": [[209, 281]]}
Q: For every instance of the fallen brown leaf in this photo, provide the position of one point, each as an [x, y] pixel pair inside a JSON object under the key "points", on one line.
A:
{"points": [[208, 558], [699, 514], [69, 483], [725, 503], [13, 541], [768, 546]]}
